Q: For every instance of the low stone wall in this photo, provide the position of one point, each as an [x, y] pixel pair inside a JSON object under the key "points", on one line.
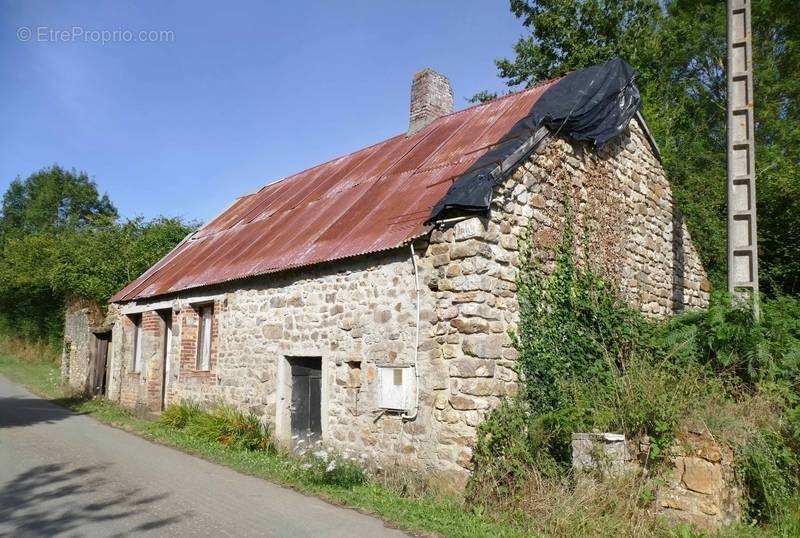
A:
{"points": [[702, 487]]}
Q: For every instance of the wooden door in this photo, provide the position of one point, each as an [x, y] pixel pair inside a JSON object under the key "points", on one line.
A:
{"points": [[306, 409]]}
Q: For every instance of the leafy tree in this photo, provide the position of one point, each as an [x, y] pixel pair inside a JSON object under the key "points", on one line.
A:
{"points": [[483, 96], [570, 34], [52, 199], [58, 239], [679, 49], [97, 262]]}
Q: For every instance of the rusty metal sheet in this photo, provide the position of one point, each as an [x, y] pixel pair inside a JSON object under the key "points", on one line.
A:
{"points": [[374, 199]]}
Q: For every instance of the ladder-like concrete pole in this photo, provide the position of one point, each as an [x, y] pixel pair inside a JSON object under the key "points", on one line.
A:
{"points": [[742, 237]]}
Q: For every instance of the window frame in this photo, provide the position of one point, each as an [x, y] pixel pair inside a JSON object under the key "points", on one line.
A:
{"points": [[205, 331]]}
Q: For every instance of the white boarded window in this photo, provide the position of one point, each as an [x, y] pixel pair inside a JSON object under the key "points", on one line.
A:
{"points": [[137, 343], [204, 337], [395, 387]]}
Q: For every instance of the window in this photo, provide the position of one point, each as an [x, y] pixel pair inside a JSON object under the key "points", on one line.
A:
{"points": [[137, 343], [204, 337], [395, 383]]}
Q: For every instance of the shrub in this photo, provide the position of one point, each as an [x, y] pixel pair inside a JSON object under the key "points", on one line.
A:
{"points": [[511, 448], [769, 470], [342, 473], [230, 427], [731, 341], [29, 350], [572, 327]]}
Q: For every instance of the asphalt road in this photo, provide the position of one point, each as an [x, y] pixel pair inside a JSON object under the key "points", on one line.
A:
{"points": [[62, 474]]}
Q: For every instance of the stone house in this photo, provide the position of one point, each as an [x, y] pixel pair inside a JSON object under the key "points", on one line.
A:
{"points": [[368, 301]]}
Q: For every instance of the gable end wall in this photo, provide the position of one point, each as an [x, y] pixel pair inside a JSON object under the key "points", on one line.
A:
{"points": [[637, 240]]}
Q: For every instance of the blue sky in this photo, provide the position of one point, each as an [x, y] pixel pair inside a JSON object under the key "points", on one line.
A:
{"points": [[238, 94]]}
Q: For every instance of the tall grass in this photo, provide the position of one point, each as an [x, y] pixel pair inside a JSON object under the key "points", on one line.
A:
{"points": [[223, 424], [35, 351]]}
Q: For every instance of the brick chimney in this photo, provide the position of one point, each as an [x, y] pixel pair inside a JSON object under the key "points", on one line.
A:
{"points": [[431, 97]]}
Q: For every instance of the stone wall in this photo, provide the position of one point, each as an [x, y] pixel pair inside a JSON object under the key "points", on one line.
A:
{"points": [[620, 196], [359, 313], [75, 358], [355, 315], [82, 320], [702, 488], [636, 240]]}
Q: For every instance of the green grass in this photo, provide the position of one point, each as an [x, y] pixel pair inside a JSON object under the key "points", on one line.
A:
{"points": [[422, 515], [40, 377]]}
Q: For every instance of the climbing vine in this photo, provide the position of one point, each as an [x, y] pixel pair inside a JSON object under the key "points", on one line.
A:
{"points": [[589, 362]]}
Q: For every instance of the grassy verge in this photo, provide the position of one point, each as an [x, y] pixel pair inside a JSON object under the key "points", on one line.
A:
{"points": [[419, 514]]}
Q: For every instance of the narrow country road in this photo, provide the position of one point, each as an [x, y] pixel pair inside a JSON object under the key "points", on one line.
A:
{"points": [[62, 474]]}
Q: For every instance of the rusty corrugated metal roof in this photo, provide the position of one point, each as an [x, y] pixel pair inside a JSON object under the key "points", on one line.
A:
{"points": [[374, 199]]}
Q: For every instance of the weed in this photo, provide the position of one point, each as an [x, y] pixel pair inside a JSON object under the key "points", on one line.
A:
{"points": [[29, 350], [223, 424], [325, 466], [180, 415]]}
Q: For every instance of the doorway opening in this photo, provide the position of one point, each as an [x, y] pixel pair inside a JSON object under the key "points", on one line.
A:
{"points": [[100, 372], [166, 343], [306, 399]]}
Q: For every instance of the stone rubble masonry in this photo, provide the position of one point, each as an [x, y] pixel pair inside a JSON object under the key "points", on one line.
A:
{"points": [[702, 489], [82, 319], [602, 454], [75, 359], [359, 313]]}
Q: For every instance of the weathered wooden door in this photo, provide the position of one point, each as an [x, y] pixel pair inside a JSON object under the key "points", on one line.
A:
{"points": [[306, 406], [101, 363]]}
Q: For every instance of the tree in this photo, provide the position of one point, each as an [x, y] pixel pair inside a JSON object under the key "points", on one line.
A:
{"points": [[570, 34], [483, 96], [679, 50], [59, 239], [52, 199], [97, 262]]}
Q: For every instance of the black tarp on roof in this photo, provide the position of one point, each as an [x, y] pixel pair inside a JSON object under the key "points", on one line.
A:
{"points": [[593, 104]]}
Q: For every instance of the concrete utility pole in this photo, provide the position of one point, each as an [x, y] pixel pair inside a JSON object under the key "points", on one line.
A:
{"points": [[742, 238]]}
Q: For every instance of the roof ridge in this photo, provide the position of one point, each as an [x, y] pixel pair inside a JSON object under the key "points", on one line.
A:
{"points": [[398, 135], [499, 98]]}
